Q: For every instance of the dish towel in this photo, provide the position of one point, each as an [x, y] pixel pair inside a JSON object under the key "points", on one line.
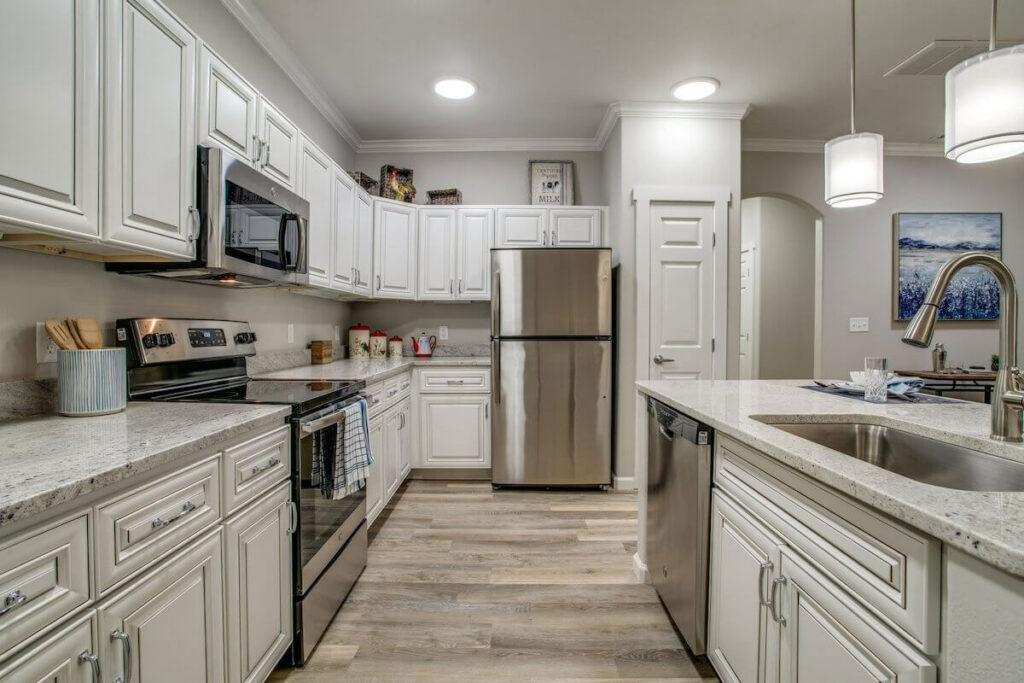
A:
{"points": [[341, 465]]}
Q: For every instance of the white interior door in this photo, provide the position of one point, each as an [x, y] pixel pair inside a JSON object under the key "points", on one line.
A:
{"points": [[747, 340], [682, 292]]}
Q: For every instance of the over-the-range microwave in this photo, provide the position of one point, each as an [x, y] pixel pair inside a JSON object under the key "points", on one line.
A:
{"points": [[252, 231]]}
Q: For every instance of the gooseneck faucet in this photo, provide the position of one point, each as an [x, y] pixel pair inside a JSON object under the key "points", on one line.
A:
{"points": [[1008, 394]]}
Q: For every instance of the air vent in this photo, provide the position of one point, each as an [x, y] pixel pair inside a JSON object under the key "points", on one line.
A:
{"points": [[939, 56]]}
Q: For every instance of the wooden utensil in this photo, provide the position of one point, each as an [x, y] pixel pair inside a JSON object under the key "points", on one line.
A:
{"points": [[60, 334], [89, 331], [73, 329]]}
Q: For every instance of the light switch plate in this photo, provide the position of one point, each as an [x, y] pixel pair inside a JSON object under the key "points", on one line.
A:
{"points": [[442, 333], [858, 324], [46, 350]]}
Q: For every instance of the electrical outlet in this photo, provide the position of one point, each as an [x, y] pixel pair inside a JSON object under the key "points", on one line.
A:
{"points": [[858, 324], [337, 333], [442, 333], [46, 350], [291, 333]]}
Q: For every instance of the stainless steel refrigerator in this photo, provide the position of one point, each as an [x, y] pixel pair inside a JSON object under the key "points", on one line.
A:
{"points": [[551, 364]]}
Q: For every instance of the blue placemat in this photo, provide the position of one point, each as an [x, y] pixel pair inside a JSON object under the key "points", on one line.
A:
{"points": [[918, 398]]}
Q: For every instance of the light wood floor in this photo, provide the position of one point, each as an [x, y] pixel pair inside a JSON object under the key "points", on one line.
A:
{"points": [[467, 584]]}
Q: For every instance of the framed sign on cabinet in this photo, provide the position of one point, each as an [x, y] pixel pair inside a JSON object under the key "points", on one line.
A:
{"points": [[552, 183]]}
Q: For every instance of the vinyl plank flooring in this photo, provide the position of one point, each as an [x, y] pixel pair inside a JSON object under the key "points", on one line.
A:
{"points": [[468, 584]]}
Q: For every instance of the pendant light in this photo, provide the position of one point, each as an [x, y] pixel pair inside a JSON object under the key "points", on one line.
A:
{"points": [[985, 104], [853, 163]]}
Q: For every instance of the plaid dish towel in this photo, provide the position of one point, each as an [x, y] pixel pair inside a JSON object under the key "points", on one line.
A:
{"points": [[341, 465]]}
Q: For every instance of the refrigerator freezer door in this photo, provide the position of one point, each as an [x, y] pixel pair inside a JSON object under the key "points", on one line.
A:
{"points": [[552, 412], [551, 293]]}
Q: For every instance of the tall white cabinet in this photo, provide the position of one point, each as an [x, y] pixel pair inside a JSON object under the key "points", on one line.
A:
{"points": [[343, 267], [316, 173], [394, 249], [363, 249]]}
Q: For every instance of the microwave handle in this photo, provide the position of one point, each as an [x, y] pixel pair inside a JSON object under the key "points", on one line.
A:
{"points": [[282, 233]]}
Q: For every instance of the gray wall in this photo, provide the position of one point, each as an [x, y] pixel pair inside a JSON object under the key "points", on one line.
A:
{"points": [[858, 247], [467, 323]]}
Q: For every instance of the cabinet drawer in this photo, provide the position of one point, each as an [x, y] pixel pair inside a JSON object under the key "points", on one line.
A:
{"points": [[255, 466], [374, 398], [891, 568], [44, 576], [396, 388], [56, 658], [139, 528], [455, 381]]}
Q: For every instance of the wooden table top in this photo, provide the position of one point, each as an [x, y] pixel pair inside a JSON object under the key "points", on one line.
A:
{"points": [[958, 376]]}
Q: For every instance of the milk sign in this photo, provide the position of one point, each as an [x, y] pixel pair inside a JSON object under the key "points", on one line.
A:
{"points": [[551, 182]]}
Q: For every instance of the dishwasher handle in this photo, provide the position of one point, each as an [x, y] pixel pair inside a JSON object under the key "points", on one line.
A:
{"points": [[674, 424]]}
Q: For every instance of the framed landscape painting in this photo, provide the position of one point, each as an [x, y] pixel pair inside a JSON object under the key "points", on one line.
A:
{"points": [[922, 242]]}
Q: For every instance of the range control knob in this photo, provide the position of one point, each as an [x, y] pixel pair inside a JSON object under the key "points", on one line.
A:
{"points": [[148, 341], [165, 339], [245, 337]]}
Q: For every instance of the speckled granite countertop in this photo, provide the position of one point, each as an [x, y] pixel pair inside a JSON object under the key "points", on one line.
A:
{"points": [[370, 370], [987, 525], [49, 460]]}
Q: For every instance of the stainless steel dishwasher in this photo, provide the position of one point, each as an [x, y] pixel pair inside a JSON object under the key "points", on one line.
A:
{"points": [[678, 517]]}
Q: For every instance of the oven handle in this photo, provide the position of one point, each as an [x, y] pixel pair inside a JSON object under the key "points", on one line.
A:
{"points": [[322, 422]]}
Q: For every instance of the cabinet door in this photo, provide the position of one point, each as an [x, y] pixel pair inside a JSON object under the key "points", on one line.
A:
{"points": [[375, 480], [473, 258], [259, 586], [404, 439], [315, 172], [171, 620], [827, 636], [364, 242], [436, 263], [149, 129], [742, 636], [227, 108], [455, 431], [278, 152], [343, 269], [61, 658], [575, 227], [49, 144], [394, 250], [522, 227], [392, 449]]}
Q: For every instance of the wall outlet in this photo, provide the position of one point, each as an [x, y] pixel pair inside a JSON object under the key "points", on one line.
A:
{"points": [[858, 324], [46, 350], [442, 333], [337, 333], [291, 333]]}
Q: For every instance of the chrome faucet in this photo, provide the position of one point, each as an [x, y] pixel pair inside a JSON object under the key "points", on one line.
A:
{"points": [[1008, 394]]}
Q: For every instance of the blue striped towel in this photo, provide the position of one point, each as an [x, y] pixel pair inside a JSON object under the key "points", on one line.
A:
{"points": [[341, 466]]}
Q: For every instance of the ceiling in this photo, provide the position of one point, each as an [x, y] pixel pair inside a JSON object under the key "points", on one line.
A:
{"points": [[550, 68]]}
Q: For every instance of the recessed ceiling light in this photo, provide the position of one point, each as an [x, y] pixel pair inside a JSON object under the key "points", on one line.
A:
{"points": [[455, 88], [695, 88]]}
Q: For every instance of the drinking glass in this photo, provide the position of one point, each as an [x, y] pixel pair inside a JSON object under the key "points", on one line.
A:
{"points": [[876, 380]]}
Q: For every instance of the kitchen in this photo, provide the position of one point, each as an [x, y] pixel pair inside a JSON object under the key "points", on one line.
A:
{"points": [[477, 566]]}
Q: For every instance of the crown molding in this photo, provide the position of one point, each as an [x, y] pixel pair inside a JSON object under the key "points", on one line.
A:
{"points": [[895, 149], [480, 145], [271, 41]]}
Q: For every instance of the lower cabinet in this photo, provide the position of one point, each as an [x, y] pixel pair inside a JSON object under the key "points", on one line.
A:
{"points": [[168, 625], [397, 445], [67, 656], [390, 442], [375, 482], [257, 554], [455, 430]]}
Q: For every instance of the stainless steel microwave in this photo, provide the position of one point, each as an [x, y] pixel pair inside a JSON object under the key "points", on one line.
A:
{"points": [[253, 232]]}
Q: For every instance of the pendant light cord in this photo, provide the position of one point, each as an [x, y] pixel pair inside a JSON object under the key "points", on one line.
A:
{"points": [[853, 64], [992, 29]]}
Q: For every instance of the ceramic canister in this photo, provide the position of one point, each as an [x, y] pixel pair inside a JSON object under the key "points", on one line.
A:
{"points": [[359, 341], [91, 382], [395, 347], [378, 345]]}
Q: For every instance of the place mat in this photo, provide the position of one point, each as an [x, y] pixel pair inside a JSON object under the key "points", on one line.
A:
{"points": [[918, 398]]}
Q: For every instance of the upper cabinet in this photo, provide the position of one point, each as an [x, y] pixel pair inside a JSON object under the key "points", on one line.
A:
{"points": [[227, 108], [363, 250], [278, 145], [575, 227], [394, 250], [315, 181], [473, 254], [536, 227], [149, 129], [49, 144], [343, 268], [521, 227], [436, 253], [454, 253]]}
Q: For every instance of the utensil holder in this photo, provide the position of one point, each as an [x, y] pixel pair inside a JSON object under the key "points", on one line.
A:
{"points": [[91, 382]]}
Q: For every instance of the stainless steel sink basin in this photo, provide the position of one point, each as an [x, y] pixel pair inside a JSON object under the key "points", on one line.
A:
{"points": [[918, 457]]}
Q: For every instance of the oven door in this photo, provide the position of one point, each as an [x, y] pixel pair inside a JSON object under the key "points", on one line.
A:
{"points": [[253, 225], [323, 525]]}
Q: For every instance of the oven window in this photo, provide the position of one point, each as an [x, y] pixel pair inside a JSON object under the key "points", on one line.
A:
{"points": [[321, 518], [252, 229]]}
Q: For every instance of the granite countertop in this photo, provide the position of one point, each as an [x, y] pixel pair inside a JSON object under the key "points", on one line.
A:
{"points": [[988, 525], [49, 460], [370, 370]]}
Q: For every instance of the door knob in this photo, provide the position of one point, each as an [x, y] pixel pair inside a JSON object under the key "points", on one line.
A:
{"points": [[659, 359]]}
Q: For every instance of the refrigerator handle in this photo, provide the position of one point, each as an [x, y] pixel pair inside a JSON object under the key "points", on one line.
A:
{"points": [[496, 371], [495, 303]]}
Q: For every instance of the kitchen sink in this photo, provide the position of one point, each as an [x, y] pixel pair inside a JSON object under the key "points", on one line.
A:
{"points": [[920, 458]]}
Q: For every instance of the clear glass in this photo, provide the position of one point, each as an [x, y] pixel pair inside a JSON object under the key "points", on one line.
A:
{"points": [[876, 379]]}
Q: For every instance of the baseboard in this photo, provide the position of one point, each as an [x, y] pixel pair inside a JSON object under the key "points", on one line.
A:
{"points": [[451, 473], [623, 483], [640, 569]]}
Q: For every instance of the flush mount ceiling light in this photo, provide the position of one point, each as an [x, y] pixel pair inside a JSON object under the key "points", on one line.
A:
{"points": [[455, 88], [985, 104], [854, 170], [695, 88]]}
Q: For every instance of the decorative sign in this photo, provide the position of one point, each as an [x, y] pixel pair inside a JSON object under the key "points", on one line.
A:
{"points": [[551, 183]]}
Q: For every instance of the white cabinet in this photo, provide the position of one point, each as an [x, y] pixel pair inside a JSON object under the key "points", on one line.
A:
{"points": [[278, 151], [436, 254], [259, 587], [375, 480], [455, 430], [575, 227], [522, 227], [363, 249], [404, 453], [343, 268], [473, 254], [227, 108], [315, 175], [64, 657], [149, 129], [394, 250], [169, 623], [49, 145], [392, 450], [455, 253]]}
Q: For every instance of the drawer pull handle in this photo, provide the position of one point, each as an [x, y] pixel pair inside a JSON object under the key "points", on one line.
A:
{"points": [[765, 567], [86, 656], [126, 654], [456, 382], [13, 601], [779, 619], [185, 509], [392, 393], [260, 469]]}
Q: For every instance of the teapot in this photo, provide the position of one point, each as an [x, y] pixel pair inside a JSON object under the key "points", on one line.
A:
{"points": [[423, 346]]}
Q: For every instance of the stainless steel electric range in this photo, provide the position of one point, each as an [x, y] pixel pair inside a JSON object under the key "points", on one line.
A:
{"points": [[175, 359]]}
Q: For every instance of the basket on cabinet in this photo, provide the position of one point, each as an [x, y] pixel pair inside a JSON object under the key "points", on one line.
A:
{"points": [[449, 196], [365, 181]]}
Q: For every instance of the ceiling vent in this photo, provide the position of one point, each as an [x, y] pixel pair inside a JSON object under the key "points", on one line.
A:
{"points": [[939, 56]]}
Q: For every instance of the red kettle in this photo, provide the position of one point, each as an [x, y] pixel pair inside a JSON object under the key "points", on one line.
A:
{"points": [[423, 346]]}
